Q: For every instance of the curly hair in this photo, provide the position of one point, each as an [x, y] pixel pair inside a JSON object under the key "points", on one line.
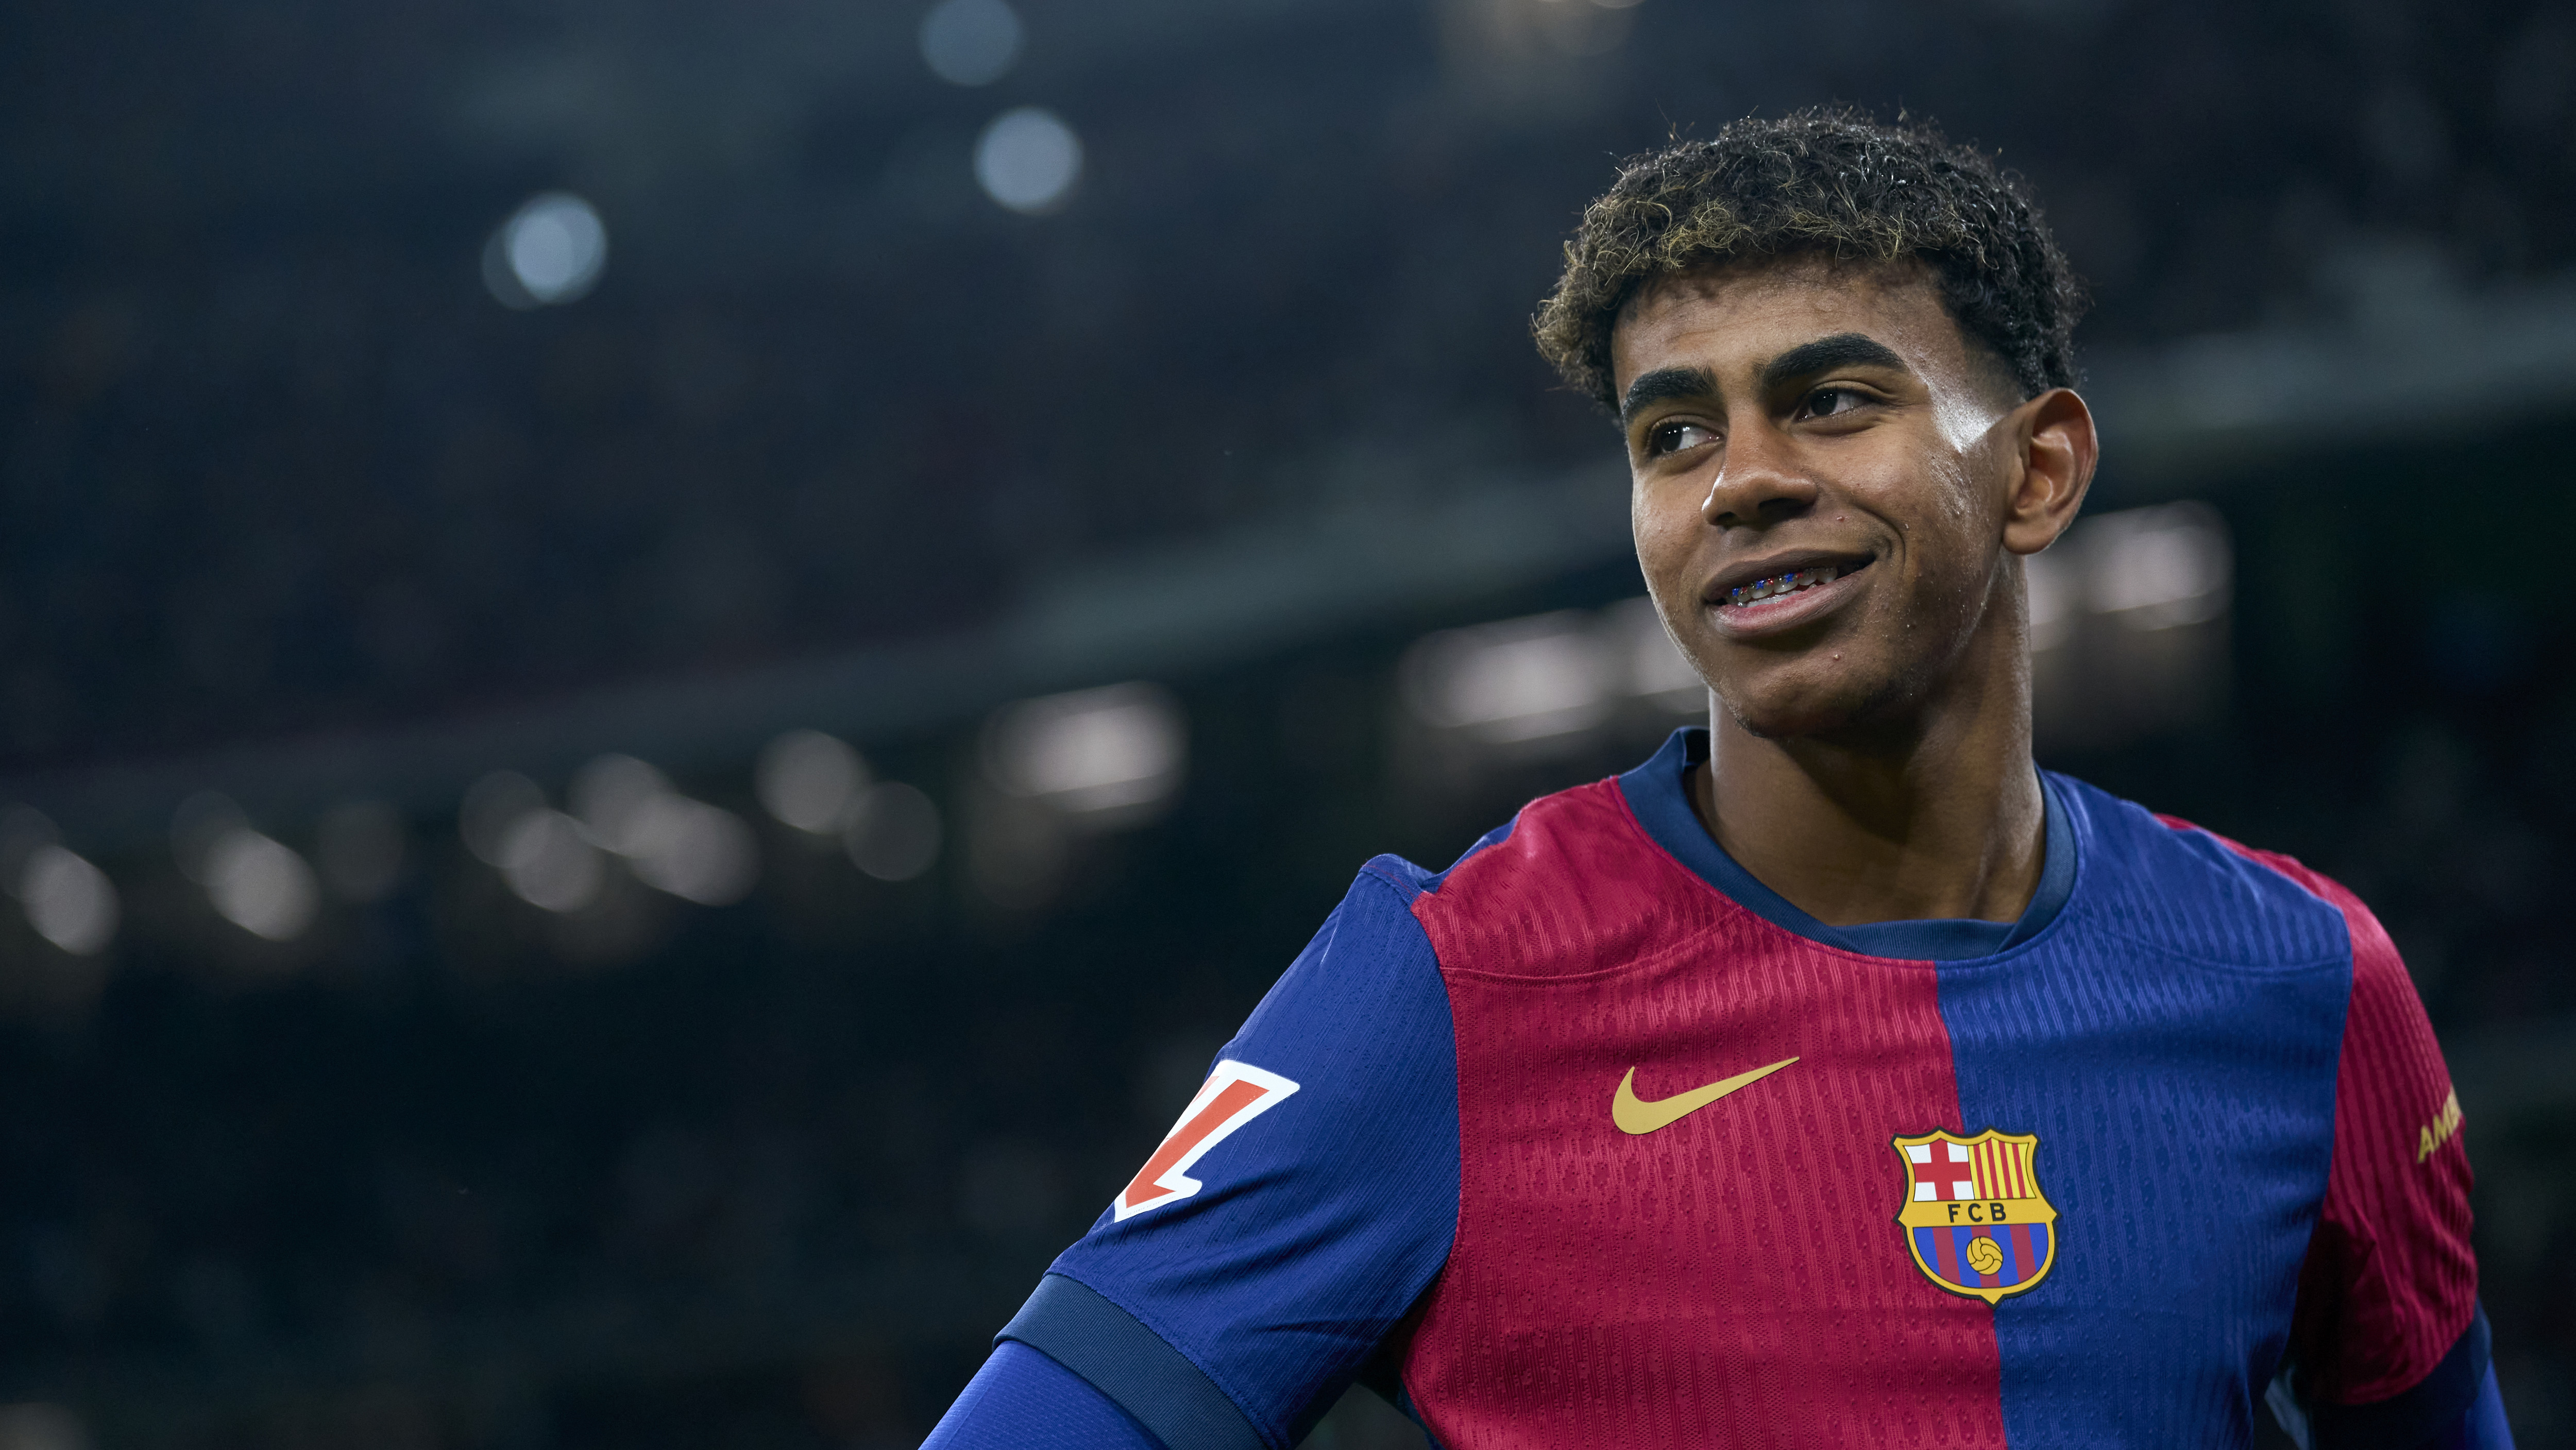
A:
{"points": [[1829, 182]]}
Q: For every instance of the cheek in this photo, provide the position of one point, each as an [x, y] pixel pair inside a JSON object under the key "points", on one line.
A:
{"points": [[1666, 531], [1947, 535]]}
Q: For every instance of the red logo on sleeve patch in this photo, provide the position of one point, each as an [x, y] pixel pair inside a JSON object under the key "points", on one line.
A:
{"points": [[1234, 1094]]}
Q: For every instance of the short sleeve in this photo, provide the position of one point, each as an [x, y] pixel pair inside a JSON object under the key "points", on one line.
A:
{"points": [[2387, 1310], [1304, 1201]]}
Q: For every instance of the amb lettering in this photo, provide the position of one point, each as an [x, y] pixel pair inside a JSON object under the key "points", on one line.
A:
{"points": [[2438, 1132], [1991, 1212]]}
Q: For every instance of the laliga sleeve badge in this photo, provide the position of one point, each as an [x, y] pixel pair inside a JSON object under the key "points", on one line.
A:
{"points": [[1973, 1215], [1234, 1094]]}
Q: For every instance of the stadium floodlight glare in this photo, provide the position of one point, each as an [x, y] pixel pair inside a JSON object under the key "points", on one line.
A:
{"points": [[695, 851], [809, 780], [2155, 568], [261, 885], [971, 42], [69, 902], [1656, 669], [550, 251], [548, 862], [1104, 752], [2055, 593], [1028, 159], [2142, 568], [1521, 679], [615, 798]]}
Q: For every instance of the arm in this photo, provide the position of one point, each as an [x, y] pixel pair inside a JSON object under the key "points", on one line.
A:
{"points": [[1022, 1400], [1279, 1234], [2483, 1427], [2388, 1347]]}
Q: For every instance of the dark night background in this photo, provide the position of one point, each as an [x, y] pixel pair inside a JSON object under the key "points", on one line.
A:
{"points": [[349, 1106]]}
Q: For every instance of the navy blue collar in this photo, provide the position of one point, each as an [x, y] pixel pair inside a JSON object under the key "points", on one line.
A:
{"points": [[1656, 792]]}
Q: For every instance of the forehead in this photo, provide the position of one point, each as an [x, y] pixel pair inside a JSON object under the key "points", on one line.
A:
{"points": [[1733, 317]]}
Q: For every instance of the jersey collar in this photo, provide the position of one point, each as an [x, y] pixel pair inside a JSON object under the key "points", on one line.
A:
{"points": [[1655, 794]]}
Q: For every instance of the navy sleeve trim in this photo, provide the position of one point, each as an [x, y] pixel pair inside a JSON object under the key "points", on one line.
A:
{"points": [[1023, 1400], [1075, 1326], [2416, 1416]]}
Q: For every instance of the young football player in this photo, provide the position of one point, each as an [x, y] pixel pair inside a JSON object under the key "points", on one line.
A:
{"points": [[1835, 1077]]}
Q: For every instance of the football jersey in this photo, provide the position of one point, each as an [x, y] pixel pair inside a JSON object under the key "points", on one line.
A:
{"points": [[1592, 1139]]}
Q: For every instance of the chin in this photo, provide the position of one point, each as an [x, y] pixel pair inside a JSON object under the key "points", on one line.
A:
{"points": [[1790, 709]]}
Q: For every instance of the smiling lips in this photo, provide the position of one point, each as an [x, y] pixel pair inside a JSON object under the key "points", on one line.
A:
{"points": [[1743, 594], [1793, 594]]}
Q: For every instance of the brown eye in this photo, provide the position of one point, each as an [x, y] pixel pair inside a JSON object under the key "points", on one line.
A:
{"points": [[1678, 437], [1826, 402]]}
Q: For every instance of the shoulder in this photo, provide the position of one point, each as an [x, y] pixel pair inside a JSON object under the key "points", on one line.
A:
{"points": [[1571, 884], [2164, 880], [1367, 981], [2288, 911]]}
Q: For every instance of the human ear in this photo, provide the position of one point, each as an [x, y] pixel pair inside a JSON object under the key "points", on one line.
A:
{"points": [[2055, 450]]}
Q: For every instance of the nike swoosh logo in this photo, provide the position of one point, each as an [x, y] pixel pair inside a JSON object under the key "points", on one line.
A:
{"points": [[1638, 1117]]}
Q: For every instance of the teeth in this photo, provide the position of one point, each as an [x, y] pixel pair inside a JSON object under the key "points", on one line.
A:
{"points": [[1780, 584]]}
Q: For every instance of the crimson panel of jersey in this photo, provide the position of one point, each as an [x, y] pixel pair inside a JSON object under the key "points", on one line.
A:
{"points": [[1597, 1142]]}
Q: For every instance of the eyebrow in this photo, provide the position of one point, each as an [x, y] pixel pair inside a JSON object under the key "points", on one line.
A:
{"points": [[1664, 383], [1842, 350]]}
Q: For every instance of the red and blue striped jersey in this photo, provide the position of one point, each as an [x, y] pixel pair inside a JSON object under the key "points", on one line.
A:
{"points": [[1591, 1139]]}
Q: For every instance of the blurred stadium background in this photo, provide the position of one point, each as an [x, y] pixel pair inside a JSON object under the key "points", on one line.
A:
{"points": [[666, 670]]}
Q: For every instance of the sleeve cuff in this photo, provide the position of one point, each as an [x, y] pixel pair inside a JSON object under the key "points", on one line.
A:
{"points": [[2418, 1415], [1078, 1328]]}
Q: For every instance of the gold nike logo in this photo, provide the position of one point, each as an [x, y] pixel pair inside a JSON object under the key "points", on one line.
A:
{"points": [[1637, 1117]]}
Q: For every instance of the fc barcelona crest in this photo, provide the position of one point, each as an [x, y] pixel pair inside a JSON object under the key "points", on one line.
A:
{"points": [[1973, 1215]]}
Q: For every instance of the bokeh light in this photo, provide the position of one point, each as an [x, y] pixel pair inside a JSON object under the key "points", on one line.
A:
{"points": [[893, 832], [616, 798], [260, 884], [1107, 751], [1522, 679], [2160, 567], [809, 780], [693, 850], [69, 902], [551, 250], [1028, 159], [696, 851], [971, 42], [549, 862], [1656, 668]]}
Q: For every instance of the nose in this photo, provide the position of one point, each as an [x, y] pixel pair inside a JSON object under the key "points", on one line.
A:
{"points": [[1758, 482]]}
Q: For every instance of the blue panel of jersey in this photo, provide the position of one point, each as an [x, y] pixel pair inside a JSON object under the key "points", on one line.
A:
{"points": [[2484, 1427], [2199, 997], [1321, 1221]]}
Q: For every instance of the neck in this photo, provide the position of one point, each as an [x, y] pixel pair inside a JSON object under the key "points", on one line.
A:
{"points": [[1939, 817]]}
